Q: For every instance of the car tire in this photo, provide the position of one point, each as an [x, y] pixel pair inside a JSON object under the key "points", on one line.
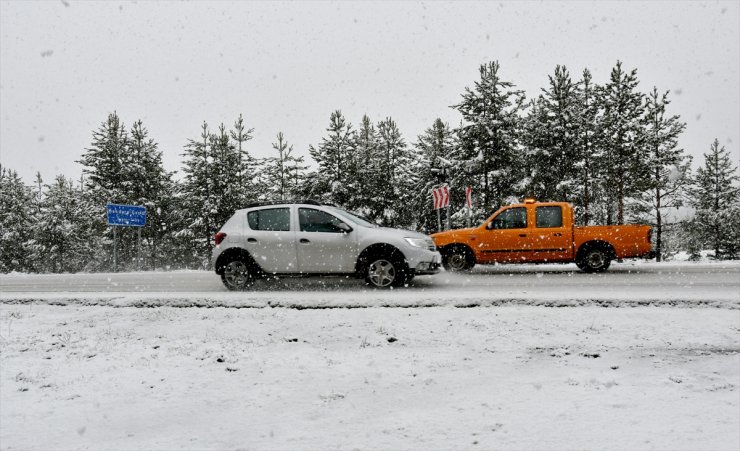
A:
{"points": [[458, 259], [237, 275], [386, 272], [594, 259]]}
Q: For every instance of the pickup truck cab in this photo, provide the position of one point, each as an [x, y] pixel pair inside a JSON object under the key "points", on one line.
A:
{"points": [[541, 232]]}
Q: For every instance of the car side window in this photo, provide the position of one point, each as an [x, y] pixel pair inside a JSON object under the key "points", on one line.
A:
{"points": [[549, 217], [513, 218], [270, 219], [311, 220]]}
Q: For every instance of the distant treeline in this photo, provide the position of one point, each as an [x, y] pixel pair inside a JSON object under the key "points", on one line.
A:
{"points": [[610, 149]]}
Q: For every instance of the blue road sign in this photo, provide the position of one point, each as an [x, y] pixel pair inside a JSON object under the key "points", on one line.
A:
{"points": [[126, 215]]}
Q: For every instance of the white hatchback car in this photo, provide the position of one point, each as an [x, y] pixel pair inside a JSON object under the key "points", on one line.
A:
{"points": [[309, 238]]}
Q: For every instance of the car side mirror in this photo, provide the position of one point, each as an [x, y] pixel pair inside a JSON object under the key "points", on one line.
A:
{"points": [[344, 227]]}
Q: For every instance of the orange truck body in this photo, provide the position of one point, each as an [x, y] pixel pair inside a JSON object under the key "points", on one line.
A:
{"points": [[541, 232]]}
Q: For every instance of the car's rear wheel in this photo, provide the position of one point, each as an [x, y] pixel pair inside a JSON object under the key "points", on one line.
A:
{"points": [[383, 272], [237, 275], [458, 258]]}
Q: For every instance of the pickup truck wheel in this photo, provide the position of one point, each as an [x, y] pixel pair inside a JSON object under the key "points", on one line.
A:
{"points": [[458, 259], [384, 272], [594, 260], [237, 276]]}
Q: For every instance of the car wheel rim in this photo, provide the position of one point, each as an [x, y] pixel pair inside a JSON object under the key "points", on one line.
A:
{"points": [[381, 273], [596, 260], [457, 262], [236, 274]]}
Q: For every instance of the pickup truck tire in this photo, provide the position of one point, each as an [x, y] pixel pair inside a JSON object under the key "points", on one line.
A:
{"points": [[237, 275], [594, 259], [386, 272], [458, 258]]}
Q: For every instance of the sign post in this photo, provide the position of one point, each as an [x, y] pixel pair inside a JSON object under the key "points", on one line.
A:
{"points": [[126, 216]]}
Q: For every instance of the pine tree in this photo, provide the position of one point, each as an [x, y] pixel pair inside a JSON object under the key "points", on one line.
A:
{"points": [[150, 187], [367, 199], [104, 162], [435, 148], [588, 194], [623, 155], [397, 173], [282, 175], [60, 237], [16, 221], [552, 136], [490, 137], [334, 181], [716, 198], [669, 168], [219, 178]]}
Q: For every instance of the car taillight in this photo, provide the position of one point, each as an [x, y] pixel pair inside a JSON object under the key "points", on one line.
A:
{"points": [[219, 237]]}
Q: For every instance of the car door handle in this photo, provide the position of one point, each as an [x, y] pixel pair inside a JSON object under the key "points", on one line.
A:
{"points": [[251, 240], [305, 240], [522, 235], [557, 234]]}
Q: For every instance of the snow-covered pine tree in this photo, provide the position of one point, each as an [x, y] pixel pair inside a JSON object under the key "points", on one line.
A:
{"points": [[104, 162], [669, 168], [587, 192], [367, 199], [622, 161], [490, 135], [335, 180], [105, 167], [716, 197], [552, 134], [194, 198], [247, 164], [435, 148], [15, 222], [150, 186], [282, 174], [61, 242], [397, 175]]}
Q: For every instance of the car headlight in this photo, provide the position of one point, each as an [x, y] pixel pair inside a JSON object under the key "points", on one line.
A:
{"points": [[420, 242]]}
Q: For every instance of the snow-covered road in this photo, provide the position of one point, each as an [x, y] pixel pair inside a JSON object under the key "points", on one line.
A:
{"points": [[625, 284]]}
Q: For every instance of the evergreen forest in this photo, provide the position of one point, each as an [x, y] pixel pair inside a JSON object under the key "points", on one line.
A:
{"points": [[610, 147]]}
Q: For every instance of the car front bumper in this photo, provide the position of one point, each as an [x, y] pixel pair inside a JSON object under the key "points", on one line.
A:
{"points": [[424, 262]]}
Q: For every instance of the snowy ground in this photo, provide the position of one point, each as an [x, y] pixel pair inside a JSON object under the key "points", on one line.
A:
{"points": [[88, 370]]}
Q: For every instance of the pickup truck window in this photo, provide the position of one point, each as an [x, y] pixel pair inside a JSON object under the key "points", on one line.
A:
{"points": [[513, 218], [549, 217]]}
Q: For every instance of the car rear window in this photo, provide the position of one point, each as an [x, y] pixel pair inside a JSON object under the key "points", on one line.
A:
{"points": [[272, 219]]}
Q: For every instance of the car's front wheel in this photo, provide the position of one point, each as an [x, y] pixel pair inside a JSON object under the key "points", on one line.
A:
{"points": [[385, 272], [237, 276]]}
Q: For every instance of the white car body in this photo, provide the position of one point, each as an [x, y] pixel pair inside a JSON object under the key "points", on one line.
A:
{"points": [[313, 244]]}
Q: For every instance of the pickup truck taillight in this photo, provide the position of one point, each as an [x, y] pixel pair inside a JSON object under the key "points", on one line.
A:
{"points": [[219, 237]]}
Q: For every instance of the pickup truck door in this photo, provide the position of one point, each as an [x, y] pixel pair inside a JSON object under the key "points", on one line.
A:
{"points": [[506, 238], [550, 239]]}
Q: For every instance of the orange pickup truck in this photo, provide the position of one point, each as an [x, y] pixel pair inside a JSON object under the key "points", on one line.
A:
{"points": [[541, 232]]}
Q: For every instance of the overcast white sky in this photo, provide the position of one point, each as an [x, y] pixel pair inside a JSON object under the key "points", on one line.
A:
{"points": [[286, 66]]}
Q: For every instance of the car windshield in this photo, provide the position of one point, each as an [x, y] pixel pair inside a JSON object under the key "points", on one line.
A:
{"points": [[354, 217]]}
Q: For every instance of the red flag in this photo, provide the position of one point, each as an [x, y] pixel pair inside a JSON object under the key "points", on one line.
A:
{"points": [[469, 196]]}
